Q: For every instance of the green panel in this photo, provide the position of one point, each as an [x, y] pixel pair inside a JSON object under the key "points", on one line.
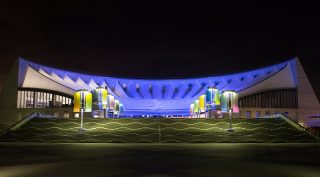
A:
{"points": [[88, 101], [196, 106], [216, 96]]}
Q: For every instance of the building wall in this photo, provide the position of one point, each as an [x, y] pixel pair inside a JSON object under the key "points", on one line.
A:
{"points": [[308, 101], [288, 74], [264, 112], [10, 116], [8, 95]]}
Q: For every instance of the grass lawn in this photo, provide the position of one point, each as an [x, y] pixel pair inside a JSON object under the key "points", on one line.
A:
{"points": [[158, 131]]}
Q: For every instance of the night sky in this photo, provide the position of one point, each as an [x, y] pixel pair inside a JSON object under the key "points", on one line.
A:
{"points": [[159, 40]]}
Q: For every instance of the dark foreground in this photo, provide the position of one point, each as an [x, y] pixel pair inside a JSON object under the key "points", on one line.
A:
{"points": [[93, 159]]}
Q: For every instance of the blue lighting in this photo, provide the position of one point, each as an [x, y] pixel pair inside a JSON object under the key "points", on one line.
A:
{"points": [[155, 97]]}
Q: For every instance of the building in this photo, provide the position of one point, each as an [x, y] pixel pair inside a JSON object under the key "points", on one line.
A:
{"points": [[280, 88]]}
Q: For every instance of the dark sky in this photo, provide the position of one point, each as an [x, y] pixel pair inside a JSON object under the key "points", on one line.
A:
{"points": [[159, 40]]}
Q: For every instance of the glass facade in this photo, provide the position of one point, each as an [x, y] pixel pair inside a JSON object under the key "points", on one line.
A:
{"points": [[281, 98], [38, 98]]}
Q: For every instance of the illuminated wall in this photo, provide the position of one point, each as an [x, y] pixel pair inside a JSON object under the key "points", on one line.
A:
{"points": [[155, 97]]}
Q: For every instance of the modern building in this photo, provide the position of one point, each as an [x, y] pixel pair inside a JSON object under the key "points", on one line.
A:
{"points": [[280, 88]]}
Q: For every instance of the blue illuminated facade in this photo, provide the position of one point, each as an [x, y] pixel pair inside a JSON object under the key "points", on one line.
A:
{"points": [[146, 96], [280, 88]]}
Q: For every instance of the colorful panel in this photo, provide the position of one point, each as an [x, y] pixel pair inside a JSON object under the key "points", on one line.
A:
{"points": [[196, 106], [216, 96], [209, 96], [100, 98], [116, 105], [82, 100], [88, 102], [110, 102], [229, 101], [76, 101], [191, 109], [202, 103], [121, 108]]}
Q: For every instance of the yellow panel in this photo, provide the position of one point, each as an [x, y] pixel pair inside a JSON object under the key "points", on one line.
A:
{"points": [[202, 100], [216, 97], [104, 98], [82, 97], [76, 102]]}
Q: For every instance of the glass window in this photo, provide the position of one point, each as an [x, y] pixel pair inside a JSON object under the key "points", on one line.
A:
{"points": [[44, 99], [248, 114], [258, 114], [37, 99], [267, 113], [48, 99], [32, 100], [24, 99]]}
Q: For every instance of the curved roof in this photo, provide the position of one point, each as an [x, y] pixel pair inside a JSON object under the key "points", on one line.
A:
{"points": [[157, 88], [164, 96]]}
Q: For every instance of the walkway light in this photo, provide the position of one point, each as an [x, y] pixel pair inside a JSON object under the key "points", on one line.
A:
{"points": [[229, 104]]}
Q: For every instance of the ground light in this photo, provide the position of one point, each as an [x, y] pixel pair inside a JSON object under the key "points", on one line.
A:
{"points": [[230, 129]]}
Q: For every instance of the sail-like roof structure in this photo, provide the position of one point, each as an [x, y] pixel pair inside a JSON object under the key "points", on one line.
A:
{"points": [[154, 96]]}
